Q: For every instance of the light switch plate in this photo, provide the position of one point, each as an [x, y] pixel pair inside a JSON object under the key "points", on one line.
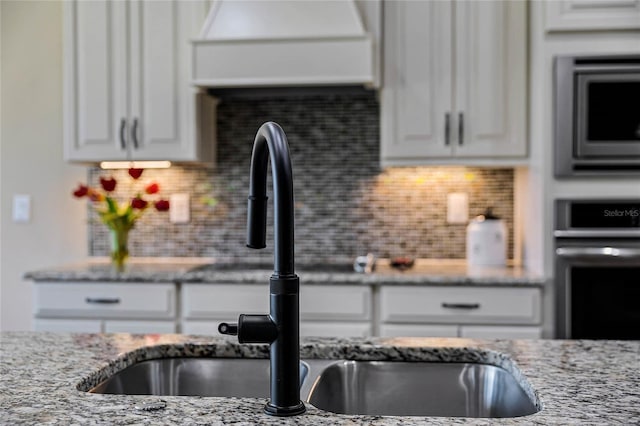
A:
{"points": [[457, 207], [179, 208], [21, 208]]}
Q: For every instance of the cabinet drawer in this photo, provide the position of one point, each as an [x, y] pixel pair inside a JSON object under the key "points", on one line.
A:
{"points": [[335, 329], [335, 302], [105, 300], [224, 301], [489, 305]]}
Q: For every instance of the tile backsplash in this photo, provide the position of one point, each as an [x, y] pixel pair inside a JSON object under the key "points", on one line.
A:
{"points": [[345, 204]]}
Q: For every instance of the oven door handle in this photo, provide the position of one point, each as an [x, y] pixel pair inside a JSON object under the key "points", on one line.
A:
{"points": [[591, 252]]}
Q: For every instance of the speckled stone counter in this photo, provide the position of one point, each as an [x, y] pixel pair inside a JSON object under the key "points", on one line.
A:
{"points": [[195, 271], [575, 382]]}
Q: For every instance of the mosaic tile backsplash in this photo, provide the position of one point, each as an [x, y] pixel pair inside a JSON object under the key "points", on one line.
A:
{"points": [[345, 204]]}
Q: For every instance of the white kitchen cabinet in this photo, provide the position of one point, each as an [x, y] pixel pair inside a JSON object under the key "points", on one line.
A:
{"points": [[465, 311], [105, 307], [418, 330], [127, 93], [454, 83], [223, 302], [500, 332], [67, 325], [325, 310], [592, 15]]}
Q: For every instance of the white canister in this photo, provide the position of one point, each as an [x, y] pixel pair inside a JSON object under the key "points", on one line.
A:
{"points": [[487, 241]]}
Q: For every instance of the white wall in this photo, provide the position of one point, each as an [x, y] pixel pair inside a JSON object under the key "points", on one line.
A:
{"points": [[31, 156]]}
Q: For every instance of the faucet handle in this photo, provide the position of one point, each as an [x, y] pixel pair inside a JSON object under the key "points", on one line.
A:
{"points": [[228, 328]]}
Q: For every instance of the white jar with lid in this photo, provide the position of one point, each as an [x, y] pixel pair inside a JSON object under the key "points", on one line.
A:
{"points": [[487, 241]]}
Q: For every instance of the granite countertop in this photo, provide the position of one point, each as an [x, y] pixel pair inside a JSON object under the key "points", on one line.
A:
{"points": [[575, 382], [195, 270]]}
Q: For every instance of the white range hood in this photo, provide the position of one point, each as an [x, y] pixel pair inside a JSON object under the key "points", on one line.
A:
{"points": [[266, 43]]}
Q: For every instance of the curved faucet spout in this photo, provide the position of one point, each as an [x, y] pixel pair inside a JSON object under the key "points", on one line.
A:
{"points": [[281, 328], [271, 142]]}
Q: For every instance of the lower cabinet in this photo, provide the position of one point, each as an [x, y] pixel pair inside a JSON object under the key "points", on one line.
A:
{"points": [[105, 307], [328, 310], [325, 310], [461, 311]]}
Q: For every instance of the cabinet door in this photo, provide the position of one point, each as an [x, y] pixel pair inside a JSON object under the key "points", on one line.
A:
{"points": [[416, 94], [67, 325], [581, 15], [162, 101], [95, 79], [500, 332], [418, 330], [490, 79], [335, 302], [223, 302], [119, 326], [335, 329], [207, 328]]}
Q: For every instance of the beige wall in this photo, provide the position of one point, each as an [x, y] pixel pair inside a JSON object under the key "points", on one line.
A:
{"points": [[31, 156]]}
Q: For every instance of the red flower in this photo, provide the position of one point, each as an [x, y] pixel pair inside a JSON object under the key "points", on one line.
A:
{"points": [[81, 191], [139, 203], [152, 188], [162, 205], [108, 184], [135, 173]]}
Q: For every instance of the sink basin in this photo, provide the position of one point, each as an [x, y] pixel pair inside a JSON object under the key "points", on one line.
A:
{"points": [[339, 386], [194, 376], [420, 389]]}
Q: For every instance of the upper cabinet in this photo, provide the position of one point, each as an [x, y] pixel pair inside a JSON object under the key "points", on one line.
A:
{"points": [[454, 86], [592, 15], [127, 93]]}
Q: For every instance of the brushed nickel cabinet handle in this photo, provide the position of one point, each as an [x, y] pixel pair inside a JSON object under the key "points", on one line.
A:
{"points": [[123, 125], [134, 133], [103, 300], [447, 128], [468, 306]]}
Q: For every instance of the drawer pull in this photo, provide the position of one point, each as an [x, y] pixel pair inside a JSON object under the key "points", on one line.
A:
{"points": [[460, 305], [102, 300]]}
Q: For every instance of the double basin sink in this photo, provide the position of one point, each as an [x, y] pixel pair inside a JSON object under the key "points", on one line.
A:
{"points": [[339, 386]]}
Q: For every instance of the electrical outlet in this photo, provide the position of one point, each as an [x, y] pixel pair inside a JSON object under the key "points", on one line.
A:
{"points": [[457, 207], [180, 208], [21, 208]]}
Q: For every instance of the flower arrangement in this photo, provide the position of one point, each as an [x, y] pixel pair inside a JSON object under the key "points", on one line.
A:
{"points": [[120, 218]]}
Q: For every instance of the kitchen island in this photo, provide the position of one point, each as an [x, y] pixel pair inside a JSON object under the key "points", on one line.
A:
{"points": [[574, 382]]}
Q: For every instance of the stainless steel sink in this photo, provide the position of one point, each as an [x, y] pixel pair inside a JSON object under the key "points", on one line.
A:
{"points": [[420, 389], [339, 386], [240, 377]]}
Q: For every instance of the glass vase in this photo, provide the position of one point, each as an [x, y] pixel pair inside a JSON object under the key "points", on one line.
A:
{"points": [[119, 249]]}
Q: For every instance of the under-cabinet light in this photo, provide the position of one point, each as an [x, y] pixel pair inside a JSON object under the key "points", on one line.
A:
{"points": [[135, 164]]}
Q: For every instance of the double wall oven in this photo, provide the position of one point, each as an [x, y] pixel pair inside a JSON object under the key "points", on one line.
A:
{"points": [[597, 269]]}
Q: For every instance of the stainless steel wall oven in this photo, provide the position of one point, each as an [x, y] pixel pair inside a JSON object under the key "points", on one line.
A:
{"points": [[597, 269], [597, 115]]}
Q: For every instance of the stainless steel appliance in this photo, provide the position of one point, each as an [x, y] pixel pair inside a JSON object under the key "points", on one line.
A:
{"points": [[597, 267], [597, 115]]}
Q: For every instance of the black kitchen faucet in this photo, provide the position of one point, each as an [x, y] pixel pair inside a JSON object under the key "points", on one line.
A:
{"points": [[281, 327]]}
